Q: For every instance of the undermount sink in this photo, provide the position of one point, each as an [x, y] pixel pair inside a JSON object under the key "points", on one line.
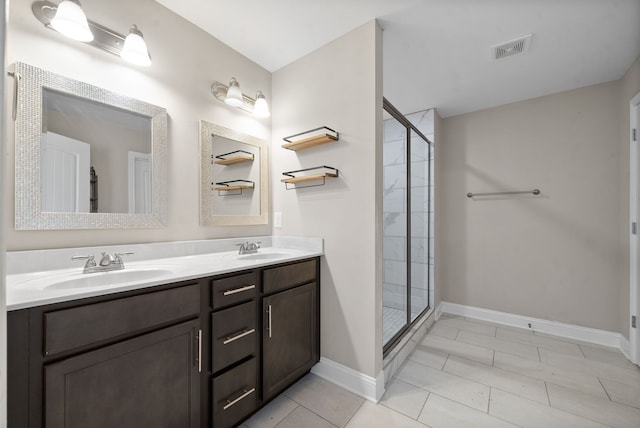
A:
{"points": [[267, 255], [108, 278]]}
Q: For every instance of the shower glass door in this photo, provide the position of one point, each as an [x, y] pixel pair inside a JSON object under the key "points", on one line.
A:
{"points": [[419, 198], [395, 295], [407, 206]]}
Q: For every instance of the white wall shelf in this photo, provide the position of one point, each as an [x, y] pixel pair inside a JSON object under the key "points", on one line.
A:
{"points": [[233, 157], [311, 138]]}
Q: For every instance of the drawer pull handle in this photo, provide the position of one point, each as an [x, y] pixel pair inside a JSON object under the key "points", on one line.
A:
{"points": [[199, 351], [230, 339], [245, 393], [239, 290]]}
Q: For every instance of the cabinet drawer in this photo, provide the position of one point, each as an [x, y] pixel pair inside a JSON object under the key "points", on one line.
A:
{"points": [[233, 334], [232, 290], [288, 276], [80, 326], [234, 394]]}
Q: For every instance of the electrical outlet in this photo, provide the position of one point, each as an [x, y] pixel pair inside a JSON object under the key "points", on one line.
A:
{"points": [[529, 325], [277, 219]]}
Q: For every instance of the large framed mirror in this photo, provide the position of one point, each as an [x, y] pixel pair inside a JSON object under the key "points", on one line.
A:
{"points": [[86, 158], [233, 177]]}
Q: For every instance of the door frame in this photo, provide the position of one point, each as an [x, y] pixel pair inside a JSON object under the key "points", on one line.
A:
{"points": [[634, 239], [133, 158], [75, 149]]}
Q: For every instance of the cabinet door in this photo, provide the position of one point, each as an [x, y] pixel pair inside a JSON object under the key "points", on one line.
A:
{"points": [[149, 381], [290, 343]]}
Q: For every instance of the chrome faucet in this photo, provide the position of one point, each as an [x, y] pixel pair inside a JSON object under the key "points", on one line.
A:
{"points": [[108, 262], [249, 248]]}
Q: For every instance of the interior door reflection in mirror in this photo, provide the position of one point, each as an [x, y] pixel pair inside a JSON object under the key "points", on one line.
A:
{"points": [[235, 168], [95, 158]]}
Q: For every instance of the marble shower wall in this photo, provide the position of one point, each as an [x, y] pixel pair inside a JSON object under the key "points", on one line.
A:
{"points": [[395, 214]]}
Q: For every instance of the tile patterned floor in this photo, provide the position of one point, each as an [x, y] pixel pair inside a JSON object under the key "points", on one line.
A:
{"points": [[469, 373]]}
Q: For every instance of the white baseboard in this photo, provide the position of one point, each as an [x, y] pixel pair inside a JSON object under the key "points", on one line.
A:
{"points": [[360, 384], [570, 331], [625, 347], [438, 311]]}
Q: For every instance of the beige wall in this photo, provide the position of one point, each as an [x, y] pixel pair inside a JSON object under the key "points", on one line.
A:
{"points": [[338, 85], [186, 60], [558, 256], [629, 87]]}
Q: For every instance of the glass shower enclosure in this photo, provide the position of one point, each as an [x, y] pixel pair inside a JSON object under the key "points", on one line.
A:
{"points": [[408, 225]]}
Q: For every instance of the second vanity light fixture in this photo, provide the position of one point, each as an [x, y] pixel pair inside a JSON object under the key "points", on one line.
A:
{"points": [[233, 96], [69, 19]]}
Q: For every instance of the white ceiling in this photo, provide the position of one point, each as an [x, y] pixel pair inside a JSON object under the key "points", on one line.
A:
{"points": [[437, 53]]}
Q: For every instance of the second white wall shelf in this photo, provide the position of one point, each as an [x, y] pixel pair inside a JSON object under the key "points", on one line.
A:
{"points": [[317, 174], [236, 186]]}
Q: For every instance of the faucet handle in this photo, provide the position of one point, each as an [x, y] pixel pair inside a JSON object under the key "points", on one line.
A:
{"points": [[91, 261], [124, 253], [243, 248]]}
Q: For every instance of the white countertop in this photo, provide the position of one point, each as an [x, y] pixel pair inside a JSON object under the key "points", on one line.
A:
{"points": [[34, 287]]}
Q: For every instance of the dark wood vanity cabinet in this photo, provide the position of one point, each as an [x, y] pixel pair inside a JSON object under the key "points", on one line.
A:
{"points": [[265, 336], [290, 341], [202, 353], [128, 360], [147, 381], [235, 347]]}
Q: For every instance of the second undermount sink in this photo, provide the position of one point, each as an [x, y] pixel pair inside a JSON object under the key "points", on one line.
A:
{"points": [[107, 278], [263, 255]]}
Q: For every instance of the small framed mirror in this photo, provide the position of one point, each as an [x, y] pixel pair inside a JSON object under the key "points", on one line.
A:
{"points": [[233, 177], [86, 158]]}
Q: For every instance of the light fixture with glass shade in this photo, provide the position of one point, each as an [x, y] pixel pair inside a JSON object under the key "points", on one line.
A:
{"points": [[233, 96], [71, 21], [135, 49], [260, 107], [68, 19]]}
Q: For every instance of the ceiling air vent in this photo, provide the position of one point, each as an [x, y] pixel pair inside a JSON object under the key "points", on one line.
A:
{"points": [[512, 47]]}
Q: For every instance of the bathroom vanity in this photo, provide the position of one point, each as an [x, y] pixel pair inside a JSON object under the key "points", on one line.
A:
{"points": [[206, 351]]}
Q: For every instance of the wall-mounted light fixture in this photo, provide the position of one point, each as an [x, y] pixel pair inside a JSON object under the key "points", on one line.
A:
{"points": [[69, 19], [233, 96], [135, 49]]}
